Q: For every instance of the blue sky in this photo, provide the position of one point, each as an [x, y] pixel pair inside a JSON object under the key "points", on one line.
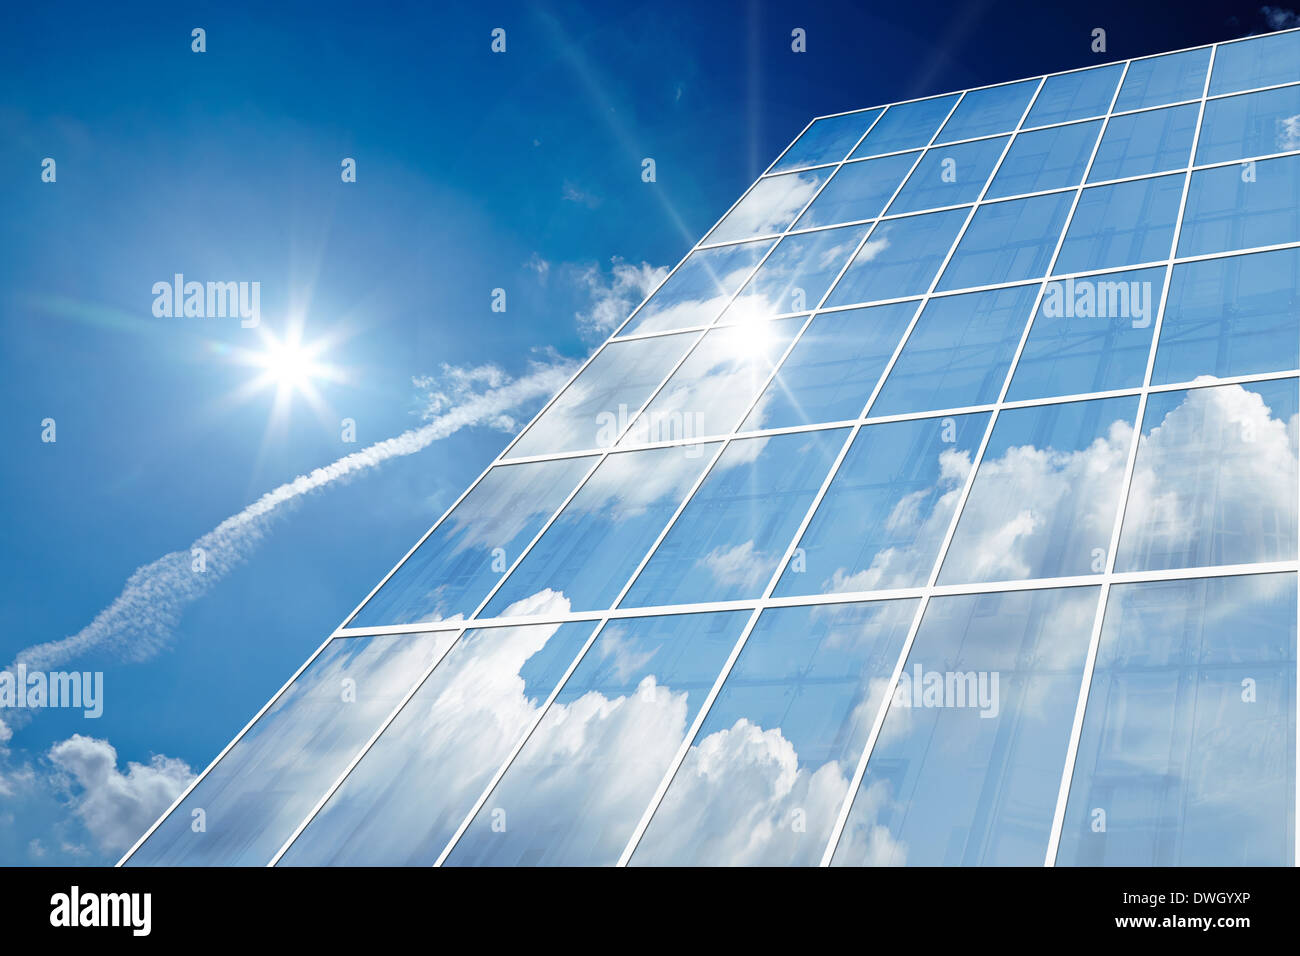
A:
{"points": [[475, 171]]}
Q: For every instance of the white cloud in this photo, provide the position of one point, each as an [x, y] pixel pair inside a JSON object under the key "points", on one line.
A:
{"points": [[117, 807], [769, 207], [614, 294], [739, 566], [1288, 133]]}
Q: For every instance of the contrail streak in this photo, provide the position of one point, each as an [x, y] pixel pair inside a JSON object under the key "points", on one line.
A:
{"points": [[140, 620]]}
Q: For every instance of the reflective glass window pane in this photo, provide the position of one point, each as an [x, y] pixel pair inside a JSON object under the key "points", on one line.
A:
{"points": [[996, 109], [858, 190], [622, 376], [1077, 95], [1152, 141], [455, 566], [1226, 210], [1215, 479], [1253, 124], [1044, 499], [1188, 768], [826, 141], [405, 798], [576, 792], [762, 783], [715, 386], [1122, 224], [1091, 334], [591, 549], [264, 786], [833, 368], [1158, 80], [1255, 62], [699, 289], [959, 352], [728, 541], [906, 126], [1007, 241], [888, 508], [797, 274], [1046, 159], [769, 207], [900, 258], [949, 175], [968, 764], [1231, 316]]}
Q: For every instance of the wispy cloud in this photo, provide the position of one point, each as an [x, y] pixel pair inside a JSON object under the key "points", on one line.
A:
{"points": [[1280, 18], [614, 293]]}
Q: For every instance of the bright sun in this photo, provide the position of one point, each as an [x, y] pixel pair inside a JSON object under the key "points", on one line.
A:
{"points": [[289, 364]]}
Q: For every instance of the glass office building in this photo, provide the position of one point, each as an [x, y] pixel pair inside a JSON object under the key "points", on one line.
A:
{"points": [[939, 508]]}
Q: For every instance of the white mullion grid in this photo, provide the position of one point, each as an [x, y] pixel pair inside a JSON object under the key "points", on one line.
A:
{"points": [[344, 631], [843, 597], [721, 680], [887, 216], [1094, 640], [1061, 277], [855, 783]]}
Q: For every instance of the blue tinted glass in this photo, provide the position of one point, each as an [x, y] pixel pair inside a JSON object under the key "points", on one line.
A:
{"points": [[456, 565], [728, 541], [859, 190], [1184, 766], [623, 375], [1158, 80], [763, 781], [826, 141], [968, 765], [714, 387], [796, 275], [576, 791], [1234, 207], [1231, 316], [592, 547], [906, 126], [833, 368], [1044, 499], [1077, 95], [949, 175], [888, 508], [1255, 62], [1215, 479], [1253, 124], [405, 798], [769, 207], [1046, 159], [1091, 334], [258, 793], [699, 289], [1122, 224], [993, 110], [1007, 241], [958, 353], [1153, 141], [900, 258]]}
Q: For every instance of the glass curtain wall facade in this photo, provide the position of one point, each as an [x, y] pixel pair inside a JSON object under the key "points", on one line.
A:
{"points": [[939, 508]]}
